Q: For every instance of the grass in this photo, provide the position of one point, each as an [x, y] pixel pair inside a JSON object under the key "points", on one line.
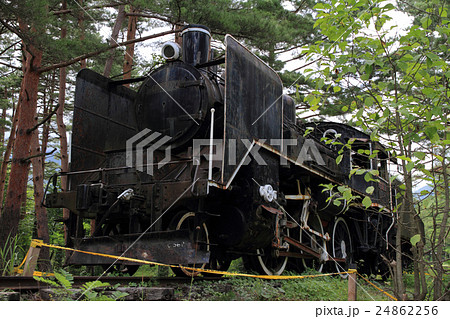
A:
{"points": [[236, 288], [254, 289], [409, 283], [9, 256]]}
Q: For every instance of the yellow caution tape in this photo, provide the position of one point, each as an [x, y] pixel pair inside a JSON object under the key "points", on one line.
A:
{"points": [[387, 294], [211, 271], [40, 243], [36, 273], [34, 243]]}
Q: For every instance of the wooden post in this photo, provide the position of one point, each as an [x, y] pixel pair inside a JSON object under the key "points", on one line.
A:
{"points": [[352, 282], [32, 258]]}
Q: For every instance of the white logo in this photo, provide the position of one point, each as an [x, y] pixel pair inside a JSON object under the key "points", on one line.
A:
{"points": [[145, 139], [147, 142]]}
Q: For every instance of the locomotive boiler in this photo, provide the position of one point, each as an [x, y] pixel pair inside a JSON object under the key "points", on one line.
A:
{"points": [[206, 163]]}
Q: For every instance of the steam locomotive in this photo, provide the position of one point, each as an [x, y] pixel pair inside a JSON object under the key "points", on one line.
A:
{"points": [[206, 163]]}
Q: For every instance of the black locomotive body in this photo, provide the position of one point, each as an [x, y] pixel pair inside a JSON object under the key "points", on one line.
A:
{"points": [[200, 167]]}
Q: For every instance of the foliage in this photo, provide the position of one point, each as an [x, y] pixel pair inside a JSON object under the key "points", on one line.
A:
{"points": [[255, 289], [90, 291], [9, 256], [269, 26], [395, 86]]}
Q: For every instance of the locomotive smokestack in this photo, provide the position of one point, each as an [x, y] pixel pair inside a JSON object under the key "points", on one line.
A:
{"points": [[196, 44]]}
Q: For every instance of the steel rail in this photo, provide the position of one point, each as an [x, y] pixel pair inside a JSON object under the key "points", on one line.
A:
{"points": [[24, 283]]}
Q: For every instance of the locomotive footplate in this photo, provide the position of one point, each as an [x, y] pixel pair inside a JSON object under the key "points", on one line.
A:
{"points": [[167, 247]]}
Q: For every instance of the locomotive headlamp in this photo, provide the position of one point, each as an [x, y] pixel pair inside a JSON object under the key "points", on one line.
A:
{"points": [[170, 51]]}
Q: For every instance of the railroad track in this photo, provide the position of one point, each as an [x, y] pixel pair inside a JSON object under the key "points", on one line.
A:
{"points": [[24, 283]]}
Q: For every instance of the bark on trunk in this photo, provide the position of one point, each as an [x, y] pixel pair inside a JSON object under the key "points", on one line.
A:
{"points": [[62, 127], [83, 62], [10, 217], [129, 53], [443, 231], [41, 212], [6, 155], [2, 127], [113, 40]]}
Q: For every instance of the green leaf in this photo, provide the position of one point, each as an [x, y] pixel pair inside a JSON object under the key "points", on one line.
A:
{"points": [[426, 22], [63, 280], [347, 195], [415, 239], [367, 202], [46, 281], [409, 166], [432, 56], [420, 155], [368, 101], [432, 133], [370, 189], [368, 177], [404, 158], [319, 6], [339, 159]]}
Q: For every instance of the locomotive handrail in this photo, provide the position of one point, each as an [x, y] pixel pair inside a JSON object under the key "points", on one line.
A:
{"points": [[127, 81], [53, 177], [106, 169], [211, 144]]}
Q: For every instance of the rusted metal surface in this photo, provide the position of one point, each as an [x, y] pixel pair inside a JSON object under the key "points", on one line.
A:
{"points": [[173, 247], [307, 250], [102, 121], [173, 101], [272, 210], [294, 161], [253, 103]]}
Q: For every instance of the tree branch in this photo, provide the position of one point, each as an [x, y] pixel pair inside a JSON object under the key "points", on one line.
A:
{"points": [[150, 16], [48, 117], [65, 11], [26, 159], [10, 66], [91, 54]]}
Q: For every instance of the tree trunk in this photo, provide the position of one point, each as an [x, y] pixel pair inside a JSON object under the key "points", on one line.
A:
{"points": [[41, 212], [9, 221], [81, 26], [404, 209], [62, 127], [113, 40], [6, 156], [3, 127], [49, 110], [439, 256], [129, 53]]}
